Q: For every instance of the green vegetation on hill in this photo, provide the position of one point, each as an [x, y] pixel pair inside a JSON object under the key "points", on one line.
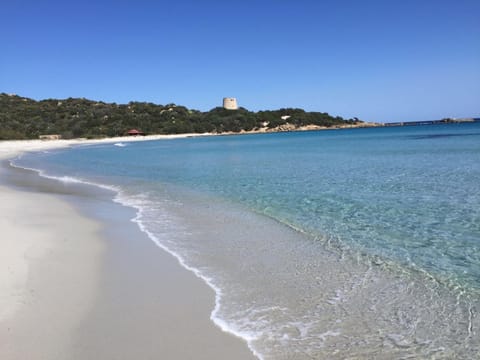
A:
{"points": [[23, 118]]}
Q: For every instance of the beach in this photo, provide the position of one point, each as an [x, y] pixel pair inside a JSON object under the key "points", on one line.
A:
{"points": [[79, 280], [293, 245]]}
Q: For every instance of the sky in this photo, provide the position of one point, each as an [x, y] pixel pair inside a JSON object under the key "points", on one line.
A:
{"points": [[378, 60]]}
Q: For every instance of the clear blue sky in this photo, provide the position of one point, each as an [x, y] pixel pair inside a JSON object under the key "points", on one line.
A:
{"points": [[379, 60]]}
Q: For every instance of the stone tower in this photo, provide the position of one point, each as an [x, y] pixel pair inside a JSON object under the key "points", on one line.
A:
{"points": [[230, 103]]}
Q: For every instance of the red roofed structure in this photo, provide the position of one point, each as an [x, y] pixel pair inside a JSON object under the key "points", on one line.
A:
{"points": [[135, 132]]}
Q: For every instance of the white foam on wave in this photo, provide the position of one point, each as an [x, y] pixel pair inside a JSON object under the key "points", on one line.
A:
{"points": [[64, 179], [120, 144], [139, 205]]}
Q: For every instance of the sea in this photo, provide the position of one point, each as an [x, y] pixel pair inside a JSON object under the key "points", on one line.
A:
{"points": [[339, 244]]}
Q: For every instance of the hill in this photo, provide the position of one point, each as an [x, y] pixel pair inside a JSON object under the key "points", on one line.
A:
{"points": [[24, 118]]}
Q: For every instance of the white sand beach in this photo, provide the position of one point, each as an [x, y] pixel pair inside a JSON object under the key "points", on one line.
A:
{"points": [[64, 293], [48, 273]]}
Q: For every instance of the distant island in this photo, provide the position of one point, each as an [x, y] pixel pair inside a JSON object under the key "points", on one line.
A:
{"points": [[24, 118], [433, 122]]}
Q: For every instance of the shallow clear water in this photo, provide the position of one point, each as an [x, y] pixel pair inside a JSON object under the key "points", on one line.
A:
{"points": [[384, 260]]}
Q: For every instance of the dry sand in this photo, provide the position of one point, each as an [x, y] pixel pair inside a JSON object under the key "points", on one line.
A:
{"points": [[50, 258], [73, 286]]}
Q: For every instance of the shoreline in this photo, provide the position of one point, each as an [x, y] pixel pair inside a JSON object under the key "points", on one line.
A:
{"points": [[175, 305], [11, 148], [45, 144]]}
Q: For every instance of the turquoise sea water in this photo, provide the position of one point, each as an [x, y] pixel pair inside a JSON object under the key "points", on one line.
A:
{"points": [[361, 243]]}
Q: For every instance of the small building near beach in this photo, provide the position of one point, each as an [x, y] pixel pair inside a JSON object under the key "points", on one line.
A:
{"points": [[50, 137], [135, 132]]}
